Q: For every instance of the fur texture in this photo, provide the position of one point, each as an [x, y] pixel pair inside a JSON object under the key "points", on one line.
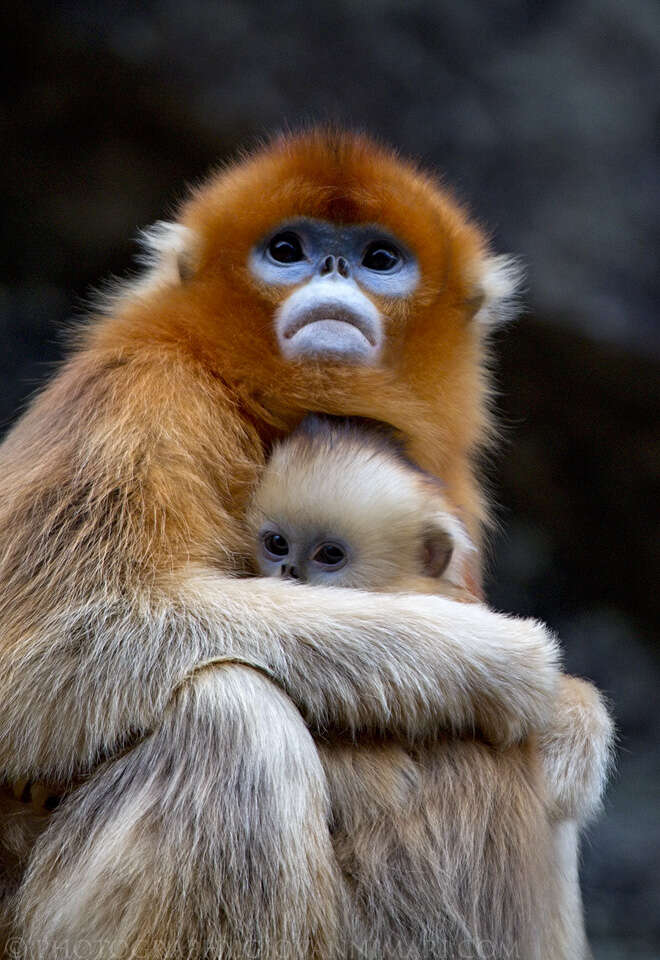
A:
{"points": [[123, 492], [401, 815], [576, 747], [349, 480], [434, 842], [231, 761]]}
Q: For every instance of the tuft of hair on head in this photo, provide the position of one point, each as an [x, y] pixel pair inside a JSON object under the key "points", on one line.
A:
{"points": [[321, 434]]}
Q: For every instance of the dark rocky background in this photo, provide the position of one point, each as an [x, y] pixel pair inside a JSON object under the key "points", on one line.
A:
{"points": [[543, 116]]}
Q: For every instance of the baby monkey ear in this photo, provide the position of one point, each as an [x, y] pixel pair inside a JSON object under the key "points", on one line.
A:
{"points": [[437, 550], [446, 548]]}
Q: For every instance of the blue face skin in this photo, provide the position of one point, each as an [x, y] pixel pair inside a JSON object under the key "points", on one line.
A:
{"points": [[329, 315], [298, 249], [302, 554]]}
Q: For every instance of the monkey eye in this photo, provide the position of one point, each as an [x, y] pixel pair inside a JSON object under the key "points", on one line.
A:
{"points": [[381, 255], [330, 555], [285, 247], [276, 545]]}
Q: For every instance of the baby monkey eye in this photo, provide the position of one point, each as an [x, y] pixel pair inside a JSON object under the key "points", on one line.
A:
{"points": [[380, 255], [276, 545], [330, 555], [285, 247]]}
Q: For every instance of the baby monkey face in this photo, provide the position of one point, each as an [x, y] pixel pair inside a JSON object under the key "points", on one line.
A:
{"points": [[338, 505], [305, 554]]}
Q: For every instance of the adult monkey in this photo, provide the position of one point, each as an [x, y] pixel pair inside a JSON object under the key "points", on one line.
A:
{"points": [[321, 274]]}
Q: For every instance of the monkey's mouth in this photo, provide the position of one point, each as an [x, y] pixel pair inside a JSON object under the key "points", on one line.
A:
{"points": [[333, 314], [341, 329]]}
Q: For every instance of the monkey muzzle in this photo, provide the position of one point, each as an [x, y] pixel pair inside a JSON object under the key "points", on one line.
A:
{"points": [[330, 320]]}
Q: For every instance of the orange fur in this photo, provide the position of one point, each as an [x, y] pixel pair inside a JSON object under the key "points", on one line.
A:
{"points": [[431, 384]]}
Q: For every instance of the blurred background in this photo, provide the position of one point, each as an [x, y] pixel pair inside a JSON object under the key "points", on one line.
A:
{"points": [[543, 117]]}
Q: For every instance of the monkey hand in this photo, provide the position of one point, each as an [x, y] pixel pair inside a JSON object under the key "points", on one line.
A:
{"points": [[510, 666], [576, 749]]}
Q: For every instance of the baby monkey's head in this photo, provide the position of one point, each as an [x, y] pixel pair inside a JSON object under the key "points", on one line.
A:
{"points": [[339, 505]]}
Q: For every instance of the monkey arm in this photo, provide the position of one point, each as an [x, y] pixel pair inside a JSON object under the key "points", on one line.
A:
{"points": [[101, 619], [576, 749], [87, 679], [408, 665]]}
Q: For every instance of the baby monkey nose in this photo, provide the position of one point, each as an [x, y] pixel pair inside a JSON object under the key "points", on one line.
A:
{"points": [[335, 264], [289, 571]]}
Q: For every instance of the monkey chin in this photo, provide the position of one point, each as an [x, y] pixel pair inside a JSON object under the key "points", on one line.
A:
{"points": [[329, 339]]}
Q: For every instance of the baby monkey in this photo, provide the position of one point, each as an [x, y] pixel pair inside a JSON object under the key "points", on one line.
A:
{"points": [[339, 505]]}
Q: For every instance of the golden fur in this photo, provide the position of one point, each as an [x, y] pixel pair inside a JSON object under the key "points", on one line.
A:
{"points": [[196, 805]]}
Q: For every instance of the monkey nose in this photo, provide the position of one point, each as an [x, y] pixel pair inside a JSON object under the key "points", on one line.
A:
{"points": [[327, 266], [290, 572], [342, 267], [332, 264]]}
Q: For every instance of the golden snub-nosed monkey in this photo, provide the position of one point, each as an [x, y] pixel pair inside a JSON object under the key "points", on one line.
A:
{"points": [[180, 707]]}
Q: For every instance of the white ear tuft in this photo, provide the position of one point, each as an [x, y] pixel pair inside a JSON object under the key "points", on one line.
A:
{"points": [[168, 251], [499, 286]]}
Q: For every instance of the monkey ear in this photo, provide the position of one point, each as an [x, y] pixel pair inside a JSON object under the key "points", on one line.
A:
{"points": [[169, 251], [497, 291], [445, 547], [437, 549]]}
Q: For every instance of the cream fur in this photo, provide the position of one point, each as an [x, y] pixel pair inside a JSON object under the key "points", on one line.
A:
{"points": [[352, 483], [132, 865], [576, 747], [167, 254]]}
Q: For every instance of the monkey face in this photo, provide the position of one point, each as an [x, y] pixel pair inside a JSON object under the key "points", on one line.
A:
{"points": [[333, 268], [310, 555], [338, 505], [324, 273], [304, 554]]}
